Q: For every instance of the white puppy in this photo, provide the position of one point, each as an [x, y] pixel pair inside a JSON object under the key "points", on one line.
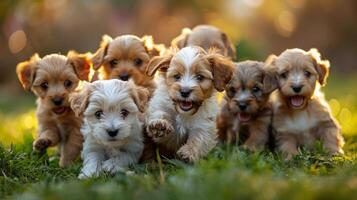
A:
{"points": [[181, 117], [112, 127]]}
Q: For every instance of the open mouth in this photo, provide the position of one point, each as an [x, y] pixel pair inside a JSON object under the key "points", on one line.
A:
{"points": [[59, 110], [297, 101], [244, 117], [186, 105]]}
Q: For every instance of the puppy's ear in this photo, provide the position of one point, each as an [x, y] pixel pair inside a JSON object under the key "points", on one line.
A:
{"points": [[141, 97], [322, 66], [270, 83], [79, 99], [150, 46], [98, 57], [26, 71], [231, 51], [271, 60], [181, 40], [161, 63], [222, 70], [80, 64]]}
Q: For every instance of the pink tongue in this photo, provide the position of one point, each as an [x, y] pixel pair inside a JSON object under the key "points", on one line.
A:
{"points": [[297, 101], [186, 104], [244, 117], [59, 110]]}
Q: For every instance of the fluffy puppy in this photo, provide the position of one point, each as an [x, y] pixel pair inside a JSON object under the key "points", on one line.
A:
{"points": [[182, 112], [245, 109], [112, 127], [301, 113], [52, 78], [126, 58], [205, 36]]}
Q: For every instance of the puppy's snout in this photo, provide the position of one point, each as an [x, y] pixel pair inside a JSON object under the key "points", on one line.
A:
{"points": [[124, 76], [185, 92], [112, 132], [297, 88], [57, 101], [242, 106]]}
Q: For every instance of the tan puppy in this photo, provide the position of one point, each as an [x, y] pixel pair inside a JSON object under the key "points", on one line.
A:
{"points": [[205, 36], [301, 113], [182, 112], [52, 78], [245, 109], [126, 58]]}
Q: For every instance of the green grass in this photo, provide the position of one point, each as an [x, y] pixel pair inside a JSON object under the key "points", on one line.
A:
{"points": [[227, 173]]}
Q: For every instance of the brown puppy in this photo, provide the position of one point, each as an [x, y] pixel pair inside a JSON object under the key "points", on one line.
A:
{"points": [[126, 57], [301, 113], [51, 79], [205, 36], [245, 109]]}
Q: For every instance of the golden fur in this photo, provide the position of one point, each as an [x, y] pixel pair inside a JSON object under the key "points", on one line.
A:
{"points": [[205, 36], [245, 109], [52, 78], [301, 113], [126, 57]]}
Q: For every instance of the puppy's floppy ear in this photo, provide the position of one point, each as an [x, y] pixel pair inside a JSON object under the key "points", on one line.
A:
{"points": [[80, 64], [222, 70], [158, 63], [26, 71], [322, 66], [270, 83], [231, 51], [98, 57], [140, 96], [79, 99], [181, 40], [150, 46], [271, 60]]}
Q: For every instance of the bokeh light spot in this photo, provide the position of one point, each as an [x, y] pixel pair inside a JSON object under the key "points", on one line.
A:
{"points": [[285, 23], [345, 116], [335, 106], [17, 41]]}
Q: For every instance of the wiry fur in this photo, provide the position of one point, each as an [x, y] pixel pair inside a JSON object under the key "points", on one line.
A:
{"points": [[300, 118], [207, 37], [121, 104], [245, 109], [48, 78], [186, 129]]}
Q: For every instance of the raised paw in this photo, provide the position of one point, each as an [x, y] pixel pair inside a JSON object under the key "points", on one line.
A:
{"points": [[41, 144], [188, 154], [159, 128]]}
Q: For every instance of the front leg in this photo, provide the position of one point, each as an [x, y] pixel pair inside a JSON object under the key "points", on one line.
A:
{"points": [[92, 162], [199, 142], [71, 148], [120, 162], [258, 137], [287, 144], [332, 139]]}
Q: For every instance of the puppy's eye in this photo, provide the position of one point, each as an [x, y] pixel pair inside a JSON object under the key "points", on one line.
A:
{"points": [[98, 114], [256, 89], [307, 74], [138, 61], [284, 75], [124, 113], [177, 77], [44, 85], [67, 83], [200, 77], [113, 62]]}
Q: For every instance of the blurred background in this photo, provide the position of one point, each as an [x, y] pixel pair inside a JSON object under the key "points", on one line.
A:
{"points": [[258, 28]]}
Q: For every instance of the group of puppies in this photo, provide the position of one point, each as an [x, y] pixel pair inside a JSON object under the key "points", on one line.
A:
{"points": [[165, 101]]}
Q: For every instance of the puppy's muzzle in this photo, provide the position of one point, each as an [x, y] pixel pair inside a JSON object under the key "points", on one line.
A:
{"points": [[242, 106], [124, 76], [185, 92], [297, 88]]}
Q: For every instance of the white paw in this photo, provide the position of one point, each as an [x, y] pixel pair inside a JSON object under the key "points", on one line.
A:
{"points": [[111, 166]]}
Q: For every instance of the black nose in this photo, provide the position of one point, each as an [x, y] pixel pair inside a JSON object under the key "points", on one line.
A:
{"points": [[297, 88], [185, 92], [242, 106], [112, 132], [57, 101], [124, 77]]}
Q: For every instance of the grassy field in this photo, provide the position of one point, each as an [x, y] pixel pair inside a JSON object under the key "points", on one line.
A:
{"points": [[228, 172]]}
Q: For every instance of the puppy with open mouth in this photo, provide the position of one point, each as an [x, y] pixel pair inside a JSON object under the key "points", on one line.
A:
{"points": [[245, 109], [112, 126], [182, 112], [301, 113], [52, 78]]}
